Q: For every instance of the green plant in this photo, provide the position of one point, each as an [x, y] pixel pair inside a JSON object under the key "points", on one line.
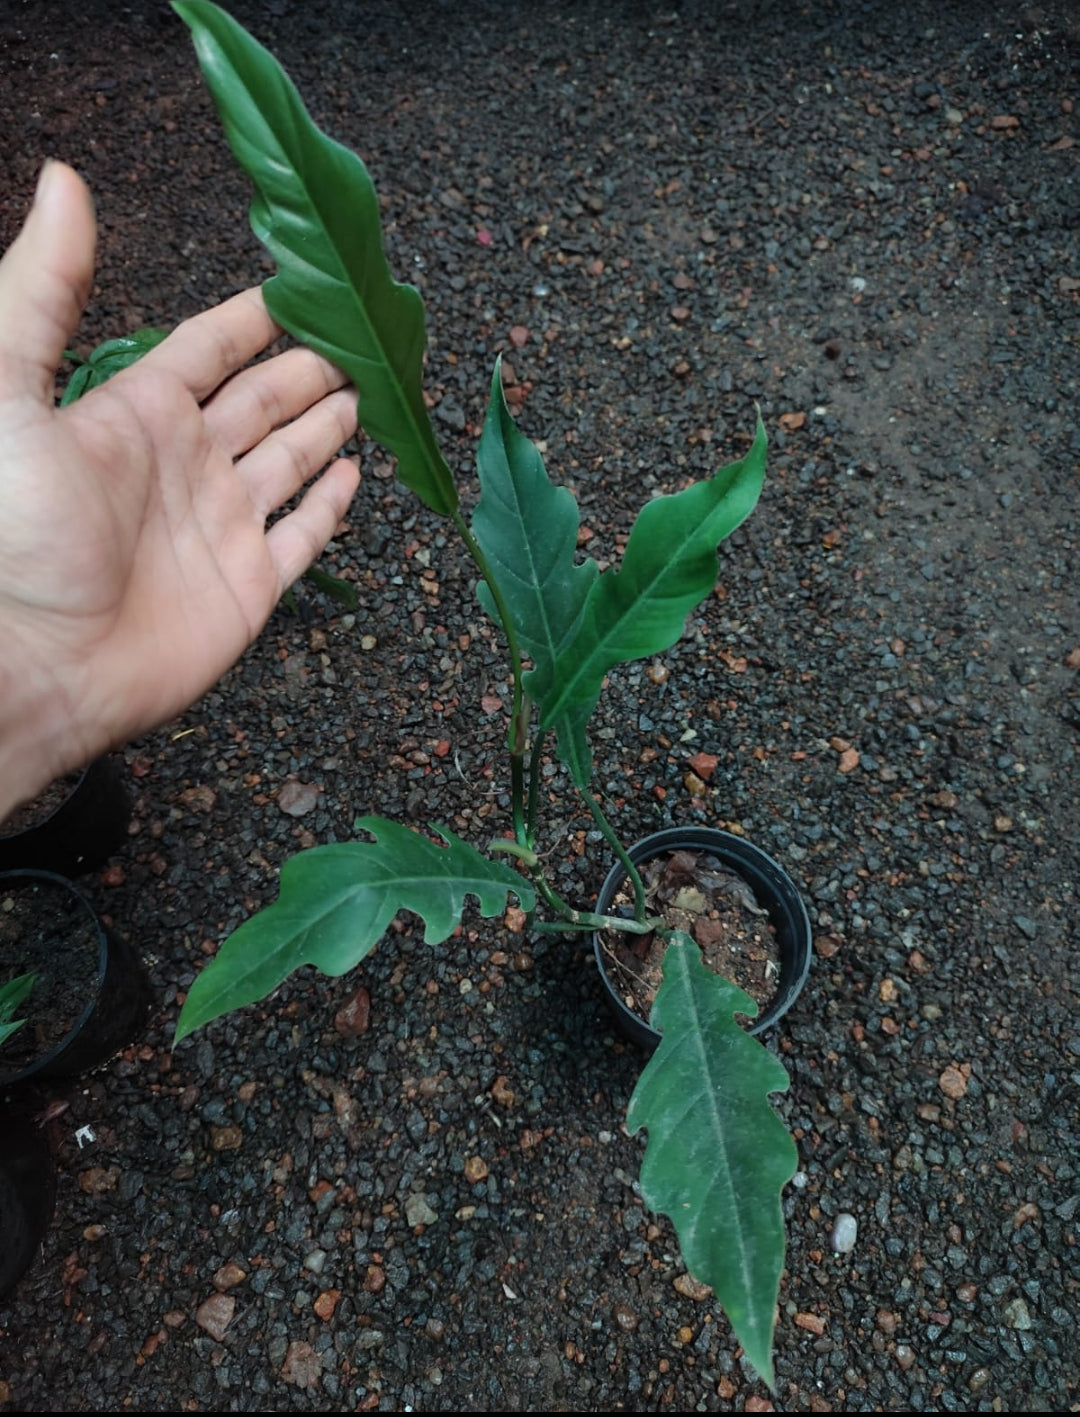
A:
{"points": [[717, 1157], [12, 996]]}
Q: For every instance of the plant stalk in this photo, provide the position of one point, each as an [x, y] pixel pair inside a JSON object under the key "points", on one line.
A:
{"points": [[620, 851]]}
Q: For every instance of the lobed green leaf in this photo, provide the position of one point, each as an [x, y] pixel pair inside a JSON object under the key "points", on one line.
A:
{"points": [[335, 904], [639, 608], [316, 212], [718, 1157]]}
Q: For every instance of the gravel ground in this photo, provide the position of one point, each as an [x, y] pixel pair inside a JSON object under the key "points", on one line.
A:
{"points": [[864, 218]]}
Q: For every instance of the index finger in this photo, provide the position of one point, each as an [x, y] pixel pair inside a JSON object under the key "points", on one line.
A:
{"points": [[206, 349]]}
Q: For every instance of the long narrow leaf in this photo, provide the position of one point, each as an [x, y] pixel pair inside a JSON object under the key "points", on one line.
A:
{"points": [[316, 212], [639, 608], [718, 1157], [335, 904], [527, 528]]}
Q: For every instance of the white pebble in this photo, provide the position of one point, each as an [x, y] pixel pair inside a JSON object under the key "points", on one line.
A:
{"points": [[844, 1234]]}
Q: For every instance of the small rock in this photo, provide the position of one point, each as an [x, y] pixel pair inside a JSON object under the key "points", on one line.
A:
{"points": [[214, 1315], [904, 1356], [354, 1016], [849, 760], [815, 1323], [418, 1212], [296, 799], [503, 1094], [302, 1367], [228, 1276], [691, 1288], [953, 1083], [703, 764], [199, 799], [1016, 1314], [227, 1138], [97, 1179], [625, 1317], [326, 1303], [519, 336], [476, 1169], [845, 1232]]}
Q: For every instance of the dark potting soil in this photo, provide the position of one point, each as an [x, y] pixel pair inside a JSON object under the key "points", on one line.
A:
{"points": [[693, 892], [861, 217], [41, 807], [46, 931]]}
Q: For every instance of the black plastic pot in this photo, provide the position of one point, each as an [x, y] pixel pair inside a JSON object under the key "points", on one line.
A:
{"points": [[80, 833], [27, 1196], [774, 891], [91, 991]]}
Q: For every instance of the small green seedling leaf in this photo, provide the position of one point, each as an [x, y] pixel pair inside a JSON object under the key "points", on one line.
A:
{"points": [[718, 1156], [335, 904], [13, 995], [106, 360], [316, 212]]}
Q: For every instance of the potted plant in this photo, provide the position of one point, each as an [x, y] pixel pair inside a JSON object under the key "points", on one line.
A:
{"points": [[718, 1157], [79, 990]]}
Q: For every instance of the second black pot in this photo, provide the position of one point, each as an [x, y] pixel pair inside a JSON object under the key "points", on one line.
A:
{"points": [[774, 891], [87, 824], [90, 993]]}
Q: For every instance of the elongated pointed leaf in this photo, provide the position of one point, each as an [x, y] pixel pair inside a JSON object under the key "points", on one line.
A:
{"points": [[316, 212], [335, 904], [527, 529], [718, 1156], [640, 607]]}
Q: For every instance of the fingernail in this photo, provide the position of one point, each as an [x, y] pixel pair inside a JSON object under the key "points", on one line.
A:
{"points": [[44, 179]]}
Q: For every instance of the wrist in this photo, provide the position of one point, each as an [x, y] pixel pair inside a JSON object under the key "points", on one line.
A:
{"points": [[32, 745]]}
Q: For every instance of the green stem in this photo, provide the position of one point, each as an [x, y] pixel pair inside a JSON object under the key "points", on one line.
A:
{"points": [[620, 851], [520, 709], [534, 787], [586, 920]]}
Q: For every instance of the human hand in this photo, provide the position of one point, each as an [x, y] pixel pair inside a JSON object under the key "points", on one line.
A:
{"points": [[135, 560]]}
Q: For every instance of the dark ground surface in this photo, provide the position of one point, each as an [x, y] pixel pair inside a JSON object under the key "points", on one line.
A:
{"points": [[865, 218]]}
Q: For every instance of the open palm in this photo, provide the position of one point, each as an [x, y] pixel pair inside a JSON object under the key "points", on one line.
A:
{"points": [[135, 560]]}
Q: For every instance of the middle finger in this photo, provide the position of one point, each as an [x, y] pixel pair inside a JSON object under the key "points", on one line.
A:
{"points": [[261, 398]]}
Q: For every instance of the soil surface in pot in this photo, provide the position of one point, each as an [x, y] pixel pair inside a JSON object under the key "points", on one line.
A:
{"points": [[695, 892], [40, 808], [49, 933]]}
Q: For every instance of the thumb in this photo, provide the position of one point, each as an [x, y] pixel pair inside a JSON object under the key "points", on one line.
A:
{"points": [[45, 279]]}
